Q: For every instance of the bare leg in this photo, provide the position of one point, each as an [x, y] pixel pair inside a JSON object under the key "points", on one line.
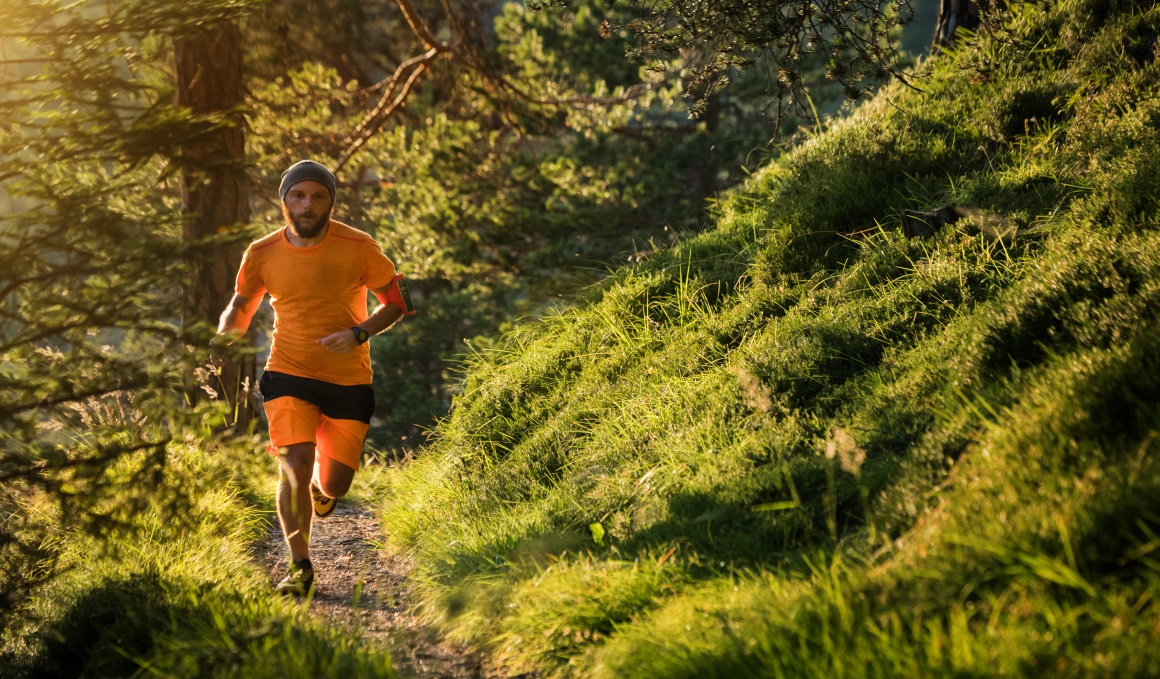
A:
{"points": [[294, 503], [334, 478]]}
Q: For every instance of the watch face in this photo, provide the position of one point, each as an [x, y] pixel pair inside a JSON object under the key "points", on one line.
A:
{"points": [[360, 335]]}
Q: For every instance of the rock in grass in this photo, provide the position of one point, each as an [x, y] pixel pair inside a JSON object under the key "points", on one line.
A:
{"points": [[924, 224]]}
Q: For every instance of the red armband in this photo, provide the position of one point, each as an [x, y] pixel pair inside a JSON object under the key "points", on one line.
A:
{"points": [[397, 294]]}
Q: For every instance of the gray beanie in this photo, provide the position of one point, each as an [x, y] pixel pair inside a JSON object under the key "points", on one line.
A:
{"points": [[303, 171]]}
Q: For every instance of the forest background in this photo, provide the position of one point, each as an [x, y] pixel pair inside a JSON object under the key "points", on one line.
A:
{"points": [[508, 159], [519, 157], [504, 181]]}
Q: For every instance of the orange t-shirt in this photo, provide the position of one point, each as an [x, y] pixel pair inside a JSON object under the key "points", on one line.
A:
{"points": [[316, 291]]}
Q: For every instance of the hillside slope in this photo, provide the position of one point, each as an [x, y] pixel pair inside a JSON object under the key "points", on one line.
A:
{"points": [[173, 587], [804, 444]]}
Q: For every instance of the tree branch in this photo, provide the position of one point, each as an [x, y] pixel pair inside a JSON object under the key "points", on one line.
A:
{"points": [[387, 105], [402, 82], [419, 28]]}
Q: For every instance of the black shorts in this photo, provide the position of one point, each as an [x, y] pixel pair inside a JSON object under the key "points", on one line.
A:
{"points": [[336, 401]]}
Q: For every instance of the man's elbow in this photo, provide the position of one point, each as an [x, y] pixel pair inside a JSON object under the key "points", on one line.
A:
{"points": [[235, 320]]}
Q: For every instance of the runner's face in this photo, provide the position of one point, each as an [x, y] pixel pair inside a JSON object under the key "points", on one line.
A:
{"points": [[307, 208]]}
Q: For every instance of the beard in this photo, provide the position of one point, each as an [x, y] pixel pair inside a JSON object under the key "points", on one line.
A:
{"points": [[306, 224]]}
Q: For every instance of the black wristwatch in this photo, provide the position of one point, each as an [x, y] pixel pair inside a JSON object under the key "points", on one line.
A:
{"points": [[360, 335]]}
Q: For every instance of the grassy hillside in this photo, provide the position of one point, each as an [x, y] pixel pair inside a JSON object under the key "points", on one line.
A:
{"points": [[803, 444], [175, 591]]}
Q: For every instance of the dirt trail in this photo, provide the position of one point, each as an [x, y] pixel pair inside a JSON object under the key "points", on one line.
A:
{"points": [[367, 591]]}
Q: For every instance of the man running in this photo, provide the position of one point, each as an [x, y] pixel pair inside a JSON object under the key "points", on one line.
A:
{"points": [[316, 388]]}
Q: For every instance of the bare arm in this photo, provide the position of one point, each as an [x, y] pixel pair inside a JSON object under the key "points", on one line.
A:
{"points": [[382, 318], [235, 319]]}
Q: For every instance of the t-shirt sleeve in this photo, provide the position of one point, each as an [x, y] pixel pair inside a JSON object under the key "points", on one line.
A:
{"points": [[250, 283], [378, 270]]}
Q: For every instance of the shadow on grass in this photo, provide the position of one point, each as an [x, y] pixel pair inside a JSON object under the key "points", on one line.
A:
{"points": [[147, 622], [121, 613]]}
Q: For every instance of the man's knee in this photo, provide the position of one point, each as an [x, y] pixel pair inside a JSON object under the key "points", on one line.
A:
{"points": [[334, 477], [335, 488], [298, 459]]}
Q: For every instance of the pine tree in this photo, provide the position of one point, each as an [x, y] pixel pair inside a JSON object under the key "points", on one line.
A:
{"points": [[214, 192], [94, 356]]}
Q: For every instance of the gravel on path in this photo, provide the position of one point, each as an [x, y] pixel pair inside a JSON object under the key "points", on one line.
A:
{"points": [[367, 591]]}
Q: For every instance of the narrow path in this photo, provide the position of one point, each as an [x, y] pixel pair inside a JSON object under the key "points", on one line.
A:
{"points": [[367, 591]]}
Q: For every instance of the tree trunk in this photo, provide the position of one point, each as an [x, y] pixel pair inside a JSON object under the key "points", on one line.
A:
{"points": [[952, 15], [214, 192]]}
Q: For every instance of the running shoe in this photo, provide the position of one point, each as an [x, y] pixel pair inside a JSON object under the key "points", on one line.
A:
{"points": [[299, 581], [323, 505]]}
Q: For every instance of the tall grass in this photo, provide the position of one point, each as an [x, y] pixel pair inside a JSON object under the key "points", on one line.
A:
{"points": [[180, 596], [805, 445]]}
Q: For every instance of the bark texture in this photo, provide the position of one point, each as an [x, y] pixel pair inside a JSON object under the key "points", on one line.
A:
{"points": [[952, 15], [214, 192]]}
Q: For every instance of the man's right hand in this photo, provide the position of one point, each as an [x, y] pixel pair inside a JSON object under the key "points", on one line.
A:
{"points": [[339, 342]]}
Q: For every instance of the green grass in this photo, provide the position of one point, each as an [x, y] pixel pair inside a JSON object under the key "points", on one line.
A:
{"points": [[815, 447], [178, 595]]}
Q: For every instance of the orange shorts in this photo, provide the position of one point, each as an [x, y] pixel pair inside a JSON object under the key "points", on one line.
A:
{"points": [[293, 420], [334, 418]]}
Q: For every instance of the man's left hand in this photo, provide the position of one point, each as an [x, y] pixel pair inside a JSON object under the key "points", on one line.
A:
{"points": [[339, 342]]}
